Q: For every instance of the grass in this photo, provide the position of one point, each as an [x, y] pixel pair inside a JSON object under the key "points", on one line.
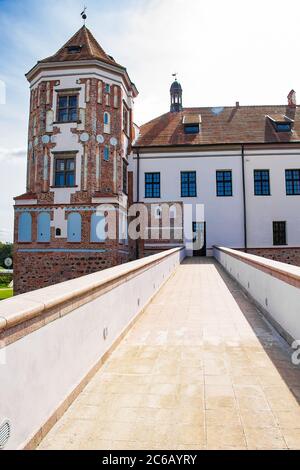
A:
{"points": [[5, 292]]}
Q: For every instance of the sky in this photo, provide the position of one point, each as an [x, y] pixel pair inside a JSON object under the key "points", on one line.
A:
{"points": [[223, 52]]}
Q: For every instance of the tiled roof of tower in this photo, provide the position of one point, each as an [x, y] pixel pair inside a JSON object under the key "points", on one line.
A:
{"points": [[88, 47], [221, 125]]}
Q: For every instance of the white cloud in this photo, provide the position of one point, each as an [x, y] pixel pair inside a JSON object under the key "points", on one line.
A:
{"points": [[5, 235], [12, 154]]}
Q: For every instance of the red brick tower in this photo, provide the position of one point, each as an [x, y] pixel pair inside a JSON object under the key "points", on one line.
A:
{"points": [[80, 132]]}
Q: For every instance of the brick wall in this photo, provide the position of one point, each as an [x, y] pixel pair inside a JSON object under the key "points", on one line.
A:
{"points": [[284, 255], [36, 269]]}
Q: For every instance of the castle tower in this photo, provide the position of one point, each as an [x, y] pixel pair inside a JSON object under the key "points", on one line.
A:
{"points": [[176, 97], [80, 133]]}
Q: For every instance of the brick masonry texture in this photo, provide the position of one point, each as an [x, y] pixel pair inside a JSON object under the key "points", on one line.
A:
{"points": [[36, 270], [284, 255]]}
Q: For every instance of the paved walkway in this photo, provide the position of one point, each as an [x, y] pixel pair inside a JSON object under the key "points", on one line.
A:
{"points": [[200, 370]]}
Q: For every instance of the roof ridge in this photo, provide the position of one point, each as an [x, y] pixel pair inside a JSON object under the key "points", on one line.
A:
{"points": [[87, 38], [234, 106]]}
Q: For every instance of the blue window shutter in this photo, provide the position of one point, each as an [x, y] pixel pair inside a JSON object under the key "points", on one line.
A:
{"points": [[74, 227], [97, 228], [24, 228], [43, 227]]}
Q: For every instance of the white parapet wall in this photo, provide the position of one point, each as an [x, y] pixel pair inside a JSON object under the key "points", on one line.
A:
{"points": [[52, 340], [274, 287]]}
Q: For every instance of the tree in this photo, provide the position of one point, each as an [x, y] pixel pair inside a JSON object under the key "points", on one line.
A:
{"points": [[5, 252]]}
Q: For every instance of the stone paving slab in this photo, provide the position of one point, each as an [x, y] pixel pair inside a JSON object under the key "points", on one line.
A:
{"points": [[201, 369]]}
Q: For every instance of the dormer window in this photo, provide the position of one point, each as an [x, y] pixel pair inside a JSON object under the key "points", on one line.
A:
{"points": [[74, 49], [281, 123], [283, 127], [191, 123], [191, 129]]}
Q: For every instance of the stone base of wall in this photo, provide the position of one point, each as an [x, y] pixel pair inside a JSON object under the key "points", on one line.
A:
{"points": [[37, 270], [284, 255]]}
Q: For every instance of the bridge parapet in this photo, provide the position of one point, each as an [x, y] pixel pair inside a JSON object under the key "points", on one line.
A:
{"points": [[272, 285], [53, 340]]}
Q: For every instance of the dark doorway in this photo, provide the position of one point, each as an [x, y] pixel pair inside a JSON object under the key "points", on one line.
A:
{"points": [[199, 240]]}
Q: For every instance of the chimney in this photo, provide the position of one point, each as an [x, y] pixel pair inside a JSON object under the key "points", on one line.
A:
{"points": [[292, 99]]}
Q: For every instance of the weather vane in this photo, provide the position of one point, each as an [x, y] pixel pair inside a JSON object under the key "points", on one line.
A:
{"points": [[175, 75], [84, 15]]}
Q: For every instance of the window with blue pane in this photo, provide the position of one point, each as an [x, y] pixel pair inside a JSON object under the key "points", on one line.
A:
{"points": [[43, 227], [106, 153], [98, 228], [74, 227], [283, 127], [224, 182], [24, 227], [64, 172], [67, 108], [292, 182], [191, 129], [261, 182], [152, 185], [188, 184]]}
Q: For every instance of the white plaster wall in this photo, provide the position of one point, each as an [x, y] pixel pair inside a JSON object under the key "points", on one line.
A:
{"points": [[263, 210], [279, 299], [91, 71], [223, 215], [43, 368], [60, 221]]}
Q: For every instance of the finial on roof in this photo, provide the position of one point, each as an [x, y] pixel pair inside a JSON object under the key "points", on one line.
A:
{"points": [[84, 15], [175, 75]]}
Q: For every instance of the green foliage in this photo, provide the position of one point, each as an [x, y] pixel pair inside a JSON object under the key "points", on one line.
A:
{"points": [[5, 252], [5, 279], [6, 293]]}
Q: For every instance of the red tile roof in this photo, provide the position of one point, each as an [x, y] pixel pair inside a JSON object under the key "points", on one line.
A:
{"points": [[222, 125], [26, 196], [90, 49]]}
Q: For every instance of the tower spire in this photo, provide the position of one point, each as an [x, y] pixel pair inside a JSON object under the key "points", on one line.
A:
{"points": [[176, 95]]}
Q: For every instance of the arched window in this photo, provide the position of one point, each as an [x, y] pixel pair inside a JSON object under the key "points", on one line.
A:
{"points": [[107, 123], [74, 227], [98, 228], [43, 227], [24, 227]]}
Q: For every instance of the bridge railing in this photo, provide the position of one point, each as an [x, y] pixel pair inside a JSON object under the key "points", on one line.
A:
{"points": [[273, 286], [54, 339]]}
